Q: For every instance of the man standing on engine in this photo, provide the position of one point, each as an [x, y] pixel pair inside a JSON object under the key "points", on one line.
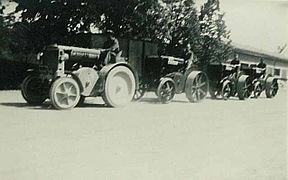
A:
{"points": [[190, 57]]}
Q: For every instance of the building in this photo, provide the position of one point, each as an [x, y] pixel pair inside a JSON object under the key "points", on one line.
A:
{"points": [[277, 64]]}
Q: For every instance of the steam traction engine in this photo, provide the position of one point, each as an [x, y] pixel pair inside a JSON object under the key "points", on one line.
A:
{"points": [[261, 81], [167, 76], [67, 85], [226, 81]]}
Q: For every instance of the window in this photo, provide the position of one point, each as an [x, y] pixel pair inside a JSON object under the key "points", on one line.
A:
{"points": [[277, 72], [244, 65]]}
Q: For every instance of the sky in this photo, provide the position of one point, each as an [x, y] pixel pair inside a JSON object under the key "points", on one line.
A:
{"points": [[261, 24]]}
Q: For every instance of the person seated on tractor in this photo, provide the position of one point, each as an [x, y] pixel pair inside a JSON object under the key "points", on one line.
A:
{"points": [[111, 48], [190, 57], [262, 65], [235, 60]]}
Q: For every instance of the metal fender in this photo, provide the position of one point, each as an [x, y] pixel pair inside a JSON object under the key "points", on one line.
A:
{"points": [[106, 69], [87, 79], [223, 80]]}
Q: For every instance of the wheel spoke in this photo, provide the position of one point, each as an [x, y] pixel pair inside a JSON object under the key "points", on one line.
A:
{"points": [[193, 94], [72, 95], [69, 89], [198, 79], [201, 91], [167, 86], [201, 84], [71, 100], [59, 91], [62, 99], [65, 87], [198, 95], [65, 100], [193, 88], [62, 87]]}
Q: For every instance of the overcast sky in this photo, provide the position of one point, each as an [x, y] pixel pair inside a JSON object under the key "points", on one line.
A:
{"points": [[261, 24]]}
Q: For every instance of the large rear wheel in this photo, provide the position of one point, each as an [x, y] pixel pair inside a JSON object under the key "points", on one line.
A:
{"points": [[34, 90], [119, 87], [65, 93], [197, 86], [271, 87], [166, 90]]}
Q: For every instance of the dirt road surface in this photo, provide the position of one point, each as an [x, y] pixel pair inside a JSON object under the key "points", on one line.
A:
{"points": [[211, 140]]}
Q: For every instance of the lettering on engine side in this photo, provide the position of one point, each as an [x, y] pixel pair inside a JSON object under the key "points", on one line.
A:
{"points": [[76, 54]]}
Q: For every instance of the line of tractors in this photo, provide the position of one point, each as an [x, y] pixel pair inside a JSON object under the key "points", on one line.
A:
{"points": [[66, 75]]}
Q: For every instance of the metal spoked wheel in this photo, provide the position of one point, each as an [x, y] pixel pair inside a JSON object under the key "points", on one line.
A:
{"points": [[34, 90], [271, 87], [226, 90], [119, 87], [257, 89], [166, 90], [65, 93], [197, 86], [244, 87]]}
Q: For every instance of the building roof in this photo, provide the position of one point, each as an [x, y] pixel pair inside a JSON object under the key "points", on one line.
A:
{"points": [[259, 52]]}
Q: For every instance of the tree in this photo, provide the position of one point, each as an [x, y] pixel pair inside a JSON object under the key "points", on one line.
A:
{"points": [[172, 23], [5, 39], [181, 26], [216, 38], [134, 19], [53, 21], [48, 21]]}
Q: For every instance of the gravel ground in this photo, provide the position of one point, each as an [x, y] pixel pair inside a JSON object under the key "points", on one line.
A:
{"points": [[210, 140]]}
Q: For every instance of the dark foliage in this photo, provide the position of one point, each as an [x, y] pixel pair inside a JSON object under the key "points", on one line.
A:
{"points": [[216, 46]]}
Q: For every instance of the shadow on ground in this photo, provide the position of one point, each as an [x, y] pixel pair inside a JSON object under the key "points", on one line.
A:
{"points": [[156, 101], [44, 106], [48, 106]]}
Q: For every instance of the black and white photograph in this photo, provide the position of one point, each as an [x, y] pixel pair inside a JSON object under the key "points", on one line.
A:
{"points": [[143, 89]]}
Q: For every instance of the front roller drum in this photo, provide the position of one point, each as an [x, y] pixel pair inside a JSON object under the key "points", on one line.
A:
{"points": [[166, 90], [119, 87], [257, 89], [34, 90], [197, 86], [244, 87], [65, 93], [226, 90], [272, 87]]}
